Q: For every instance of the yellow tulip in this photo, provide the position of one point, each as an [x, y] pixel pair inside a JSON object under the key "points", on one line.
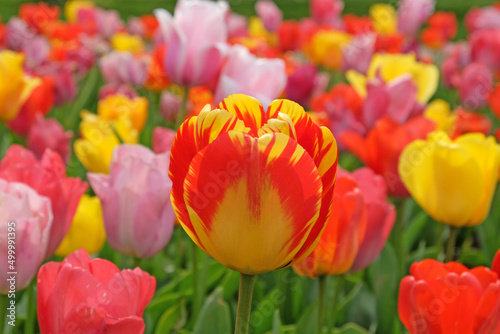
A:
{"points": [[87, 229], [72, 7], [326, 47], [125, 42], [15, 86], [454, 181], [116, 106], [98, 139], [384, 18], [392, 66], [439, 111]]}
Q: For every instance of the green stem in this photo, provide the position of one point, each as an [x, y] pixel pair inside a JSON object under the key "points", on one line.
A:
{"points": [[452, 240], [89, 86], [397, 235], [29, 328], [196, 283], [183, 111], [339, 284], [440, 241], [321, 297], [4, 302], [244, 304]]}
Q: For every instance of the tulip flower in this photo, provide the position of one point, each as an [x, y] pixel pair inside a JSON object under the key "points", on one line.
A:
{"points": [[38, 104], [475, 85], [270, 14], [237, 25], [468, 121], [384, 18], [382, 146], [37, 15], [99, 138], [244, 73], [485, 48], [114, 107], [87, 229], [123, 68], [392, 67], [496, 263], [453, 181], [125, 42], [224, 148], [163, 139], [326, 48], [194, 54], [359, 52], [301, 84], [47, 133], [15, 85], [64, 81], [138, 215], [343, 234], [48, 178], [327, 11], [26, 219], [288, 36], [92, 295], [412, 14], [113, 89], [482, 18], [439, 298], [170, 105], [442, 28]]}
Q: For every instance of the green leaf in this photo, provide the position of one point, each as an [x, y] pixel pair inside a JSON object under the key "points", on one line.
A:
{"points": [[172, 318], [261, 319], [215, 317], [277, 327], [351, 328], [414, 230], [308, 322]]}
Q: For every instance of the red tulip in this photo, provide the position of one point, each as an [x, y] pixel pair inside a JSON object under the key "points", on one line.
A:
{"points": [[288, 36], [468, 121], [496, 263], [84, 295], [37, 15], [494, 101], [48, 178], [381, 148], [440, 298], [485, 48], [40, 101], [358, 24]]}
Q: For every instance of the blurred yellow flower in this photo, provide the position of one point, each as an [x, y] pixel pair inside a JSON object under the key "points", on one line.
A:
{"points": [[72, 7], [87, 229], [439, 111], [98, 139], [454, 181], [116, 106], [384, 18], [392, 66], [125, 42], [326, 46], [15, 86]]}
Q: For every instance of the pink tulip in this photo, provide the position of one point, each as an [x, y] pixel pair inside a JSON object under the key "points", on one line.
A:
{"points": [[135, 197], [358, 54], [485, 48], [483, 18], [412, 14], [265, 79], [270, 14], [475, 85], [381, 216], [64, 80], [195, 36], [123, 68], [84, 295], [327, 11], [170, 105], [301, 84], [47, 133], [26, 219], [117, 89], [458, 56], [48, 178], [162, 139], [237, 25]]}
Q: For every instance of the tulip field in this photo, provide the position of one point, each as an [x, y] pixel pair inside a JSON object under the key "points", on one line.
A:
{"points": [[218, 167]]}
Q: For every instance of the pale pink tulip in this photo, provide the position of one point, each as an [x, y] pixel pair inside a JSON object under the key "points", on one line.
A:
{"points": [[269, 13], [412, 14], [327, 11], [475, 85]]}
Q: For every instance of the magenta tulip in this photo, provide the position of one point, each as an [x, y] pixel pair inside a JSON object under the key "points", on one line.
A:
{"points": [[47, 133], [135, 196], [475, 85]]}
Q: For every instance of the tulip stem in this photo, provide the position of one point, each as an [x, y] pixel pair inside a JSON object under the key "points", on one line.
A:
{"points": [[182, 112], [29, 328], [244, 303], [321, 298], [452, 240], [4, 302], [196, 282], [336, 297]]}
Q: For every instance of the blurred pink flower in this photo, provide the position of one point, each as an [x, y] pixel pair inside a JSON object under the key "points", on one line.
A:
{"points": [[28, 216], [327, 11], [105, 22], [170, 104], [475, 85], [358, 54], [381, 215], [265, 79], [18, 33], [458, 56], [123, 68], [114, 89], [48, 178], [195, 51], [135, 196], [412, 14], [301, 84], [162, 139], [482, 18], [485, 48], [47, 133], [270, 14], [64, 81], [237, 25]]}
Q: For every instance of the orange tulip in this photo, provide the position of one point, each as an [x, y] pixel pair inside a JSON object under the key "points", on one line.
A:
{"points": [[253, 188]]}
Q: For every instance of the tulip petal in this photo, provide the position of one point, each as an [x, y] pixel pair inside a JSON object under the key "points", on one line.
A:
{"points": [[433, 171], [488, 311], [247, 109], [241, 189], [496, 264]]}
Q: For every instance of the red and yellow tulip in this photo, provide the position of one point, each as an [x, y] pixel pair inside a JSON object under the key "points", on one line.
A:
{"points": [[253, 188]]}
